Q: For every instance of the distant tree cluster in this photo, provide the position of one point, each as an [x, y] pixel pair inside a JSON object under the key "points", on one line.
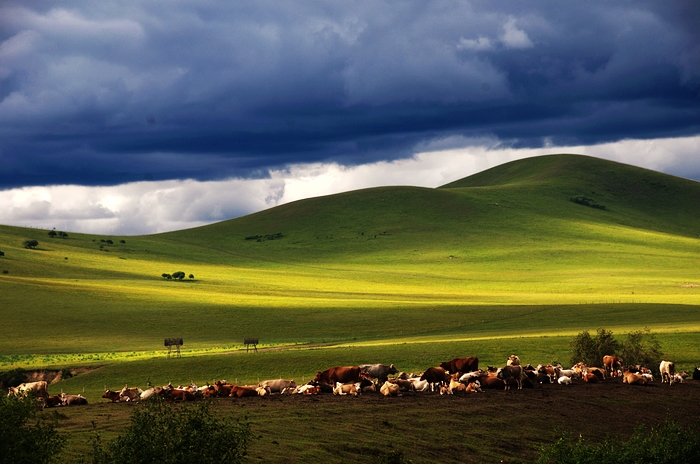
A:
{"points": [[179, 275], [585, 201], [54, 233], [260, 238], [641, 347]]}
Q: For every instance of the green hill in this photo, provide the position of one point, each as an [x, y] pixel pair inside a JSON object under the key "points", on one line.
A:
{"points": [[550, 245]]}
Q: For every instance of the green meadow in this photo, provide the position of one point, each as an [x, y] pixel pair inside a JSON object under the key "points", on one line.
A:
{"points": [[501, 262]]}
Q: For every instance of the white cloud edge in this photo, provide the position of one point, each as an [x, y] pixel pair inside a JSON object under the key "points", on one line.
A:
{"points": [[152, 207]]}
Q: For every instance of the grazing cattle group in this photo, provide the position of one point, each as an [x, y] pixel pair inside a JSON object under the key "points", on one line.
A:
{"points": [[456, 376]]}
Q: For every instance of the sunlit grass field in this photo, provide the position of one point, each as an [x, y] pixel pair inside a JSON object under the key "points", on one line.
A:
{"points": [[499, 263]]}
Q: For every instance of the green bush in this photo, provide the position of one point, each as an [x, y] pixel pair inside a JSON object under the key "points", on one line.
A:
{"points": [[642, 347], [175, 434], [21, 442], [590, 350], [30, 243], [12, 378], [669, 442]]}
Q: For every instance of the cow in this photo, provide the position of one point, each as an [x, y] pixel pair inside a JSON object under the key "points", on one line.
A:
{"points": [[178, 394], [38, 389], [419, 385], [380, 372], [51, 401], [632, 378], [340, 374], [668, 371], [367, 386], [597, 372], [696, 373], [461, 365], [612, 364], [590, 377], [473, 387], [262, 391], [511, 372], [277, 385], [73, 400], [389, 389], [471, 376], [513, 360], [456, 385], [435, 376], [130, 394], [113, 396], [222, 388], [345, 389], [445, 390], [308, 390], [564, 380], [491, 382], [151, 393], [241, 391]]}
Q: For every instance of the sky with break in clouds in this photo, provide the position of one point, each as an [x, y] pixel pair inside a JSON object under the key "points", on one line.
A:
{"points": [[143, 116]]}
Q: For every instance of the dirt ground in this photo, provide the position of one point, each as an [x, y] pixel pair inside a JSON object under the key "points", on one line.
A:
{"points": [[494, 426]]}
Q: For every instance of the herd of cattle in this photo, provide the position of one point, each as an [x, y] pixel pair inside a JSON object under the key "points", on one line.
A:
{"points": [[456, 375]]}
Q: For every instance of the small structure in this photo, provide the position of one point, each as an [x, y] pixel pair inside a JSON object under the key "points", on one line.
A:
{"points": [[251, 341], [173, 342]]}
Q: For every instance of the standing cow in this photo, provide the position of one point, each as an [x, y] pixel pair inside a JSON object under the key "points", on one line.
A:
{"points": [[38, 389], [612, 364], [380, 372], [511, 373], [668, 372], [342, 374], [461, 365]]}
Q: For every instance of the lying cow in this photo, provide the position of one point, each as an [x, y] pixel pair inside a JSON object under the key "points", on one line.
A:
{"points": [[632, 378], [343, 389], [130, 394], [51, 401], [38, 389], [113, 396], [389, 389], [73, 400], [473, 387], [241, 391]]}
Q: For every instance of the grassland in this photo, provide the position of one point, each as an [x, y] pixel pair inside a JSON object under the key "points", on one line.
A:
{"points": [[498, 263]]}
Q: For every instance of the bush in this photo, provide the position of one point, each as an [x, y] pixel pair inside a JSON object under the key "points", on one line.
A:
{"points": [[590, 350], [2, 253], [12, 378], [23, 443], [166, 276], [668, 442], [179, 275], [30, 244], [175, 434], [641, 347], [52, 233]]}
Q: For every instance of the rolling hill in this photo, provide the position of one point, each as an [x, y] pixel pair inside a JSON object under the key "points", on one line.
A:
{"points": [[545, 246]]}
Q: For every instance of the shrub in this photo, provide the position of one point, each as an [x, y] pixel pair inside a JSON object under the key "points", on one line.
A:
{"points": [[179, 275], [160, 432], [585, 201], [590, 350], [2, 253], [668, 442], [63, 235], [642, 347], [30, 244], [23, 443], [191, 276], [166, 276], [12, 378], [52, 233]]}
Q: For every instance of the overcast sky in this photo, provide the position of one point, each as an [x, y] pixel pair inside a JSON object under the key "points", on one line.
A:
{"points": [[143, 116]]}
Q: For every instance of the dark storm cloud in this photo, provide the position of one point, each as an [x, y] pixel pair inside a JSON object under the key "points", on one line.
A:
{"points": [[108, 92]]}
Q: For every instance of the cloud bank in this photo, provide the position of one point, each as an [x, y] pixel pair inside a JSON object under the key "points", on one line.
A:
{"points": [[159, 206]]}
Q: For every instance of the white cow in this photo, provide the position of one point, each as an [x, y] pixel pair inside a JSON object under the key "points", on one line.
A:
{"points": [[668, 372]]}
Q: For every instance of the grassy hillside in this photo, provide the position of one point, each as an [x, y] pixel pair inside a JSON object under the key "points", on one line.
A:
{"points": [[503, 253]]}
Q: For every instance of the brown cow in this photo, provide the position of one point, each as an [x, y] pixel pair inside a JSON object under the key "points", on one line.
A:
{"points": [[389, 389], [461, 365], [611, 364], [631, 378], [435, 376], [590, 377], [241, 391], [339, 374], [490, 382], [73, 400], [51, 401], [113, 396], [179, 394]]}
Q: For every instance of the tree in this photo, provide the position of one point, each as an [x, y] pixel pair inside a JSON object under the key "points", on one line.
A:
{"points": [[166, 276], [590, 350], [122, 241], [641, 347], [179, 275], [63, 235], [2, 253], [30, 244], [160, 432], [191, 275], [52, 233], [21, 442]]}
